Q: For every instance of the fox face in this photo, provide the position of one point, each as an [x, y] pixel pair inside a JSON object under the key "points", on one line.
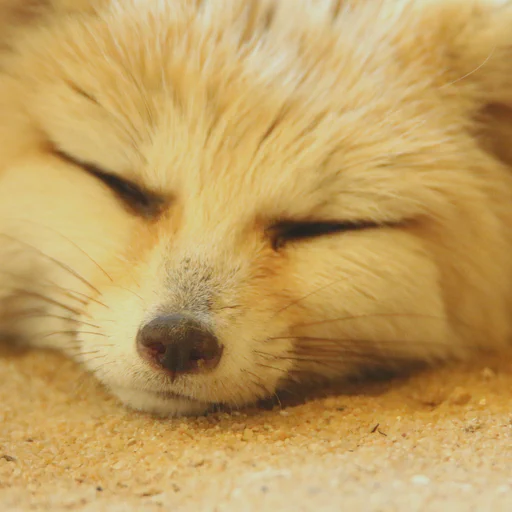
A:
{"points": [[206, 202]]}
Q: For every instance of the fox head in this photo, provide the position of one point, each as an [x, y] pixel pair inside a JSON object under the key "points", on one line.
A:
{"points": [[205, 202]]}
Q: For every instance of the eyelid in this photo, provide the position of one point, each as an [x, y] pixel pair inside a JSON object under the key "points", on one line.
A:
{"points": [[89, 167], [137, 198], [341, 224], [282, 232]]}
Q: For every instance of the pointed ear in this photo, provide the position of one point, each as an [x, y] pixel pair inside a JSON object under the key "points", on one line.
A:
{"points": [[479, 64]]}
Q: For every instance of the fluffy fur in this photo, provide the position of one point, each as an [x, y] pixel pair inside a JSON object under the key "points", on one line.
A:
{"points": [[239, 114]]}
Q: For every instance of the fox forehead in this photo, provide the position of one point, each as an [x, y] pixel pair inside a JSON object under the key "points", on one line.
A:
{"points": [[173, 101]]}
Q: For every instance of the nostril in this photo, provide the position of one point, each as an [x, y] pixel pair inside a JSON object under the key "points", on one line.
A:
{"points": [[179, 344], [156, 348], [206, 357]]}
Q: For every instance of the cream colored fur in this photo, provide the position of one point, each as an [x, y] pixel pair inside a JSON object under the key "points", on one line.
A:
{"points": [[242, 113]]}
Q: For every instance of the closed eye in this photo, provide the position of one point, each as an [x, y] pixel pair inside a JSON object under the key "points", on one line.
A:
{"points": [[290, 231], [140, 200]]}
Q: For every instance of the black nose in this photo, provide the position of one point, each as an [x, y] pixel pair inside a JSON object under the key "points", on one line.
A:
{"points": [[179, 344]]}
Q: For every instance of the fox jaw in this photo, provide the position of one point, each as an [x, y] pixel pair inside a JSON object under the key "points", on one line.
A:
{"points": [[205, 203]]}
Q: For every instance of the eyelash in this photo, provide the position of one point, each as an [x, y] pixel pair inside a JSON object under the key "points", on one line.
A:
{"points": [[288, 231], [139, 200], [130, 193]]}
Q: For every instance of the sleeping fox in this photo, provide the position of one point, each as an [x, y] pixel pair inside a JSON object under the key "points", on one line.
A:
{"points": [[205, 202]]}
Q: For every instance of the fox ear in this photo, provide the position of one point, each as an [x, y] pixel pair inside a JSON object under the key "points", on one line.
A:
{"points": [[480, 64], [496, 84]]}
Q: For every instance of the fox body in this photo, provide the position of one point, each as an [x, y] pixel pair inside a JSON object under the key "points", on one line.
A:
{"points": [[207, 201]]}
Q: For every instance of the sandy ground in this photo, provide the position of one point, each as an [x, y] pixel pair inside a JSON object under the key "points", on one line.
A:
{"points": [[441, 440]]}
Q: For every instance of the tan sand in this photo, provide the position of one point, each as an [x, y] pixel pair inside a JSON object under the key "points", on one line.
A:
{"points": [[443, 442]]}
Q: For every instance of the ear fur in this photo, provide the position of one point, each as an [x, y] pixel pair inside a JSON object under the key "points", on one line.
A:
{"points": [[494, 80], [478, 67]]}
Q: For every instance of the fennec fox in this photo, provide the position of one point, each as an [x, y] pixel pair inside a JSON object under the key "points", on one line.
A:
{"points": [[207, 201]]}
